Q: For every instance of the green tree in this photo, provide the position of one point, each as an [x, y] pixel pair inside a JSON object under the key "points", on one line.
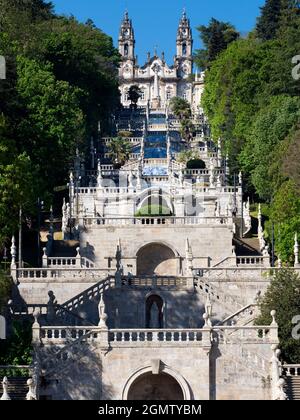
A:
{"points": [[61, 81], [83, 56], [5, 288], [215, 37], [271, 126], [17, 349], [119, 151], [54, 124], [269, 21], [134, 95], [283, 295], [291, 158], [180, 108]]}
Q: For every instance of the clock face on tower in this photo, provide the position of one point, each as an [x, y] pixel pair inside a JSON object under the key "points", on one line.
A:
{"points": [[126, 33], [184, 31]]}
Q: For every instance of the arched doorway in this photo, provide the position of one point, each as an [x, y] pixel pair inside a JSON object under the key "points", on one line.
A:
{"points": [[162, 387], [156, 260], [154, 312]]}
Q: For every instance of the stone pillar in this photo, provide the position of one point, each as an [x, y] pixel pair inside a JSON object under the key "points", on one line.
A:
{"points": [[36, 329], [206, 348], [78, 257], [13, 265], [5, 396], [45, 258], [296, 251], [102, 337]]}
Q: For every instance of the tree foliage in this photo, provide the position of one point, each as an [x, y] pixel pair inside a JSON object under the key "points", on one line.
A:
{"points": [[61, 81], [252, 102], [134, 95], [283, 295], [119, 150], [269, 20], [215, 37]]}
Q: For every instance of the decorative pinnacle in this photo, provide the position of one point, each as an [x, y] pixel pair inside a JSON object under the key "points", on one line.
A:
{"points": [[273, 314], [102, 314]]}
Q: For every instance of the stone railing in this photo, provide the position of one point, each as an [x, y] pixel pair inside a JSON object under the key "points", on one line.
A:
{"points": [[61, 335], [66, 274], [62, 261], [143, 337], [118, 337], [177, 282], [218, 296], [77, 261], [157, 127], [246, 334], [87, 295], [233, 274], [86, 190], [18, 383], [156, 221], [242, 316], [290, 370], [259, 261], [133, 140], [203, 172]]}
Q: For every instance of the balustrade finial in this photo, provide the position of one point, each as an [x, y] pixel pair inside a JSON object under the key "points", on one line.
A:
{"points": [[5, 396], [30, 394], [102, 314], [273, 315]]}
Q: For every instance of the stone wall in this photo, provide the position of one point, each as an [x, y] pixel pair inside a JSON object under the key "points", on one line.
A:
{"points": [[111, 375], [208, 243]]}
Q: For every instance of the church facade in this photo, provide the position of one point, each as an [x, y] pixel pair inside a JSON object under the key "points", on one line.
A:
{"points": [[158, 81], [149, 287]]}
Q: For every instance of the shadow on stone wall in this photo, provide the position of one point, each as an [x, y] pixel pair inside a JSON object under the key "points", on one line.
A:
{"points": [[75, 374]]}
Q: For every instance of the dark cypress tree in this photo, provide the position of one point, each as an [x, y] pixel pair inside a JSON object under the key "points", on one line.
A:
{"points": [[215, 37], [269, 21]]}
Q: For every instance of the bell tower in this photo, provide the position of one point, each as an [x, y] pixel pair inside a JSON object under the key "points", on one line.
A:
{"points": [[184, 43], [126, 39]]}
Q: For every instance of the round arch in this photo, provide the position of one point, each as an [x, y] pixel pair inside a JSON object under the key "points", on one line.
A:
{"points": [[156, 259], [164, 199], [186, 392]]}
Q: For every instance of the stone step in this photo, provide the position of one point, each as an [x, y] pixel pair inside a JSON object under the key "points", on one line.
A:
{"points": [[64, 249], [293, 387], [247, 246], [17, 388]]}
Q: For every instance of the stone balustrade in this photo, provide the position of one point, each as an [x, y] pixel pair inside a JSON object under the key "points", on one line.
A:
{"points": [[133, 140], [28, 309], [62, 274], [160, 337], [177, 282], [61, 262], [62, 335], [78, 261], [255, 261], [86, 190], [158, 127], [241, 317], [118, 337], [156, 221], [202, 172], [290, 370], [246, 334], [93, 292]]}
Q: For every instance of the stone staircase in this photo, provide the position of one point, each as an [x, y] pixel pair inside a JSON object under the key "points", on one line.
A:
{"points": [[17, 388], [247, 246], [292, 387]]}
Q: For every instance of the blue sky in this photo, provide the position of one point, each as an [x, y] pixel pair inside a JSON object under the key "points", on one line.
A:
{"points": [[156, 21]]}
